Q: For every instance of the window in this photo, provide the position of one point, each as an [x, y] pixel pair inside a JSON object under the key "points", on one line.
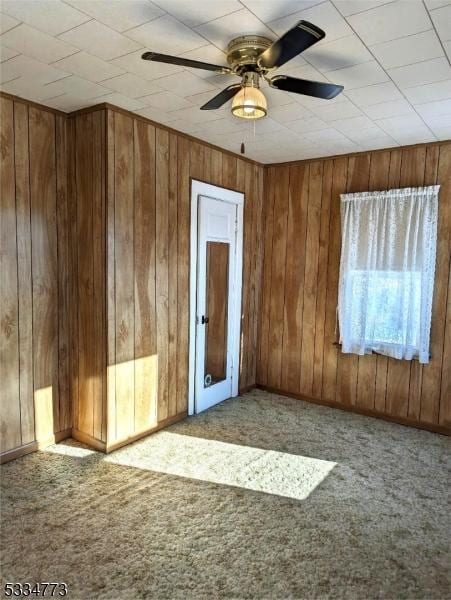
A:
{"points": [[387, 272]]}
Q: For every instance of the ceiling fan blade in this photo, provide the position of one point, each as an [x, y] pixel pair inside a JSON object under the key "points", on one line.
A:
{"points": [[293, 42], [317, 89], [222, 97], [185, 62]]}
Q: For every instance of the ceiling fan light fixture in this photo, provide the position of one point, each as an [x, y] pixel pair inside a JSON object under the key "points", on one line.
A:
{"points": [[249, 102]]}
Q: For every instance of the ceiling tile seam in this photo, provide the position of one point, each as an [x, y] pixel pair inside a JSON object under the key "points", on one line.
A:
{"points": [[11, 28], [394, 83], [436, 32], [91, 18], [73, 27], [361, 11], [204, 22]]}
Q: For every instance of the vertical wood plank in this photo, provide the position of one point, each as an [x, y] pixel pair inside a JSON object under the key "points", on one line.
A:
{"points": [[339, 179], [162, 282], [294, 279], [320, 316], [257, 269], [86, 340], [445, 397], [111, 275], [268, 211], [146, 367], [65, 402], [278, 278], [434, 371], [124, 266], [24, 272], [172, 292], [216, 167], [244, 183], [10, 426], [311, 278], [183, 257], [45, 269], [98, 258]]}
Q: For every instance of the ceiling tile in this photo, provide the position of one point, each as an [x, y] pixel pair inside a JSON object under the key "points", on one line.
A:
{"points": [[185, 84], [351, 7], [363, 136], [194, 115], [193, 12], [332, 112], [359, 75], [307, 124], [7, 22], [323, 15], [36, 44], [432, 4], [68, 103], [390, 21], [437, 69], [288, 112], [395, 125], [7, 53], [77, 86], [146, 69], [119, 15], [88, 66], [28, 89], [408, 50], [326, 135], [373, 94], [270, 10], [166, 101], [220, 31], [430, 92], [100, 40], [121, 101], [442, 21], [354, 123], [50, 16], [30, 69], [385, 110], [432, 110], [166, 35], [157, 115], [131, 86], [447, 46], [419, 136], [345, 52]]}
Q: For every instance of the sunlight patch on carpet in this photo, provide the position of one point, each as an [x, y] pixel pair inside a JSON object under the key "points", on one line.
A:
{"points": [[267, 471]]}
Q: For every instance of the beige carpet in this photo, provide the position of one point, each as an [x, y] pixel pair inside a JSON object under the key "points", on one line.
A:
{"points": [[260, 497]]}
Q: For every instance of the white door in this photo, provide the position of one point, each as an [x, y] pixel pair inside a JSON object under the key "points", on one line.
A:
{"points": [[218, 302]]}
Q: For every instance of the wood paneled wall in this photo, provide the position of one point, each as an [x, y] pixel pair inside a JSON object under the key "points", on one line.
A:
{"points": [[34, 339], [131, 182], [302, 245]]}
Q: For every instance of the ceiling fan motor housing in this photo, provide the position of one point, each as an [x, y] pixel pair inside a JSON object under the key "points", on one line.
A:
{"points": [[243, 53]]}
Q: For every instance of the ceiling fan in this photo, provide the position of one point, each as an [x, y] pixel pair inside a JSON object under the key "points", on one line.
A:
{"points": [[252, 57]]}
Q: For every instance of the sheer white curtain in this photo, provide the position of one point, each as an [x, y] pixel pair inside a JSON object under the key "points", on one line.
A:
{"points": [[387, 271]]}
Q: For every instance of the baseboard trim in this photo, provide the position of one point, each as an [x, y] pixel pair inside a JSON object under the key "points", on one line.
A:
{"points": [[59, 436], [247, 389], [111, 446], [360, 411], [89, 440]]}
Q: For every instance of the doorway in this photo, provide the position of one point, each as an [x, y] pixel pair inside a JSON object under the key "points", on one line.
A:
{"points": [[215, 294]]}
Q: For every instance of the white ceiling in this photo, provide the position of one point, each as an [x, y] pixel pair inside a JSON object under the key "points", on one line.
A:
{"points": [[393, 59]]}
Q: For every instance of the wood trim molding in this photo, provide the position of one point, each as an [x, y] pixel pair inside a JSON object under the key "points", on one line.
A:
{"points": [[49, 109], [145, 432], [128, 113], [34, 446], [360, 411], [306, 161], [89, 440]]}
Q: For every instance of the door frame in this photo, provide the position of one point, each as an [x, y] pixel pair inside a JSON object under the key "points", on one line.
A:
{"points": [[200, 188]]}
